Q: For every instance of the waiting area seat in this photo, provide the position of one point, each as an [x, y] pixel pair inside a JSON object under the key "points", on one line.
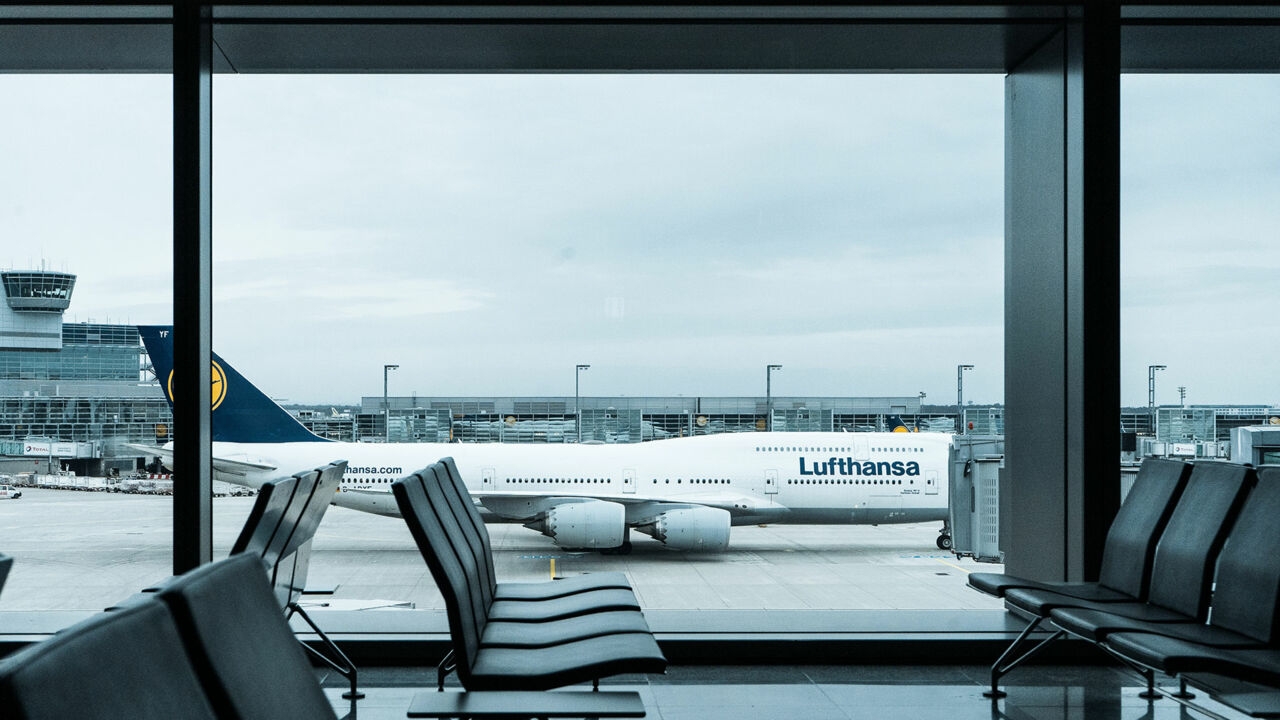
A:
{"points": [[540, 603], [6, 563], [1130, 546], [477, 537], [1181, 569], [129, 663], [1241, 638], [213, 643], [1213, 605], [447, 539]]}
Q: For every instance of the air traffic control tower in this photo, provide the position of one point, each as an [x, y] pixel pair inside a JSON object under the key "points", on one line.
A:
{"points": [[31, 316]]}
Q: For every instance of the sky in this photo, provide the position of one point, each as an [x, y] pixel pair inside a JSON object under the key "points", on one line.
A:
{"points": [[676, 232]]}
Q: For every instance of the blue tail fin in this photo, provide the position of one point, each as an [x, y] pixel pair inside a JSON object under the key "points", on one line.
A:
{"points": [[241, 413], [896, 424]]}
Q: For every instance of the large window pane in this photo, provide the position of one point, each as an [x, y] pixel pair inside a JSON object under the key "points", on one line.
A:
{"points": [[488, 234], [1199, 225], [86, 222]]}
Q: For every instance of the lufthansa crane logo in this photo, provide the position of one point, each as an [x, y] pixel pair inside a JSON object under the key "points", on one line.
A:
{"points": [[219, 385]]}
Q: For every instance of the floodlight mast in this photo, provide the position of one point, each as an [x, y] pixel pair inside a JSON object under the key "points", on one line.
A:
{"points": [[963, 427], [577, 412], [1151, 397], [768, 395], [386, 408]]}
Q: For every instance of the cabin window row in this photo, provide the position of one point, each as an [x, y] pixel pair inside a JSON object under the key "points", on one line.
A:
{"points": [[562, 481], [838, 449], [696, 481], [846, 482]]}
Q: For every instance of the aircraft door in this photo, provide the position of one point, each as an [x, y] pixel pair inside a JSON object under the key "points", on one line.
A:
{"points": [[629, 480], [486, 478], [861, 450], [931, 482], [771, 482]]}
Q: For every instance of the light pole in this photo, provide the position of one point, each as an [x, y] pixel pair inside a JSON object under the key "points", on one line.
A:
{"points": [[768, 395], [1151, 397], [386, 408], [1182, 396], [963, 429], [577, 412]]}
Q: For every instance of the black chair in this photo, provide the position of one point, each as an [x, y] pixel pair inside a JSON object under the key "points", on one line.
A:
{"points": [[279, 530], [1130, 546], [245, 656], [528, 622], [431, 520], [6, 562], [275, 548], [1242, 636], [478, 538], [1181, 571], [290, 572], [264, 517], [1244, 602], [556, 607], [129, 663]]}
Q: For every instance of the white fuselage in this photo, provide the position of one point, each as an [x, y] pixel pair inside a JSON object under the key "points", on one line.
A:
{"points": [[816, 478]]}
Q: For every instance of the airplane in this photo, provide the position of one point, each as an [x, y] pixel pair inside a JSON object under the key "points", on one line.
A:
{"points": [[684, 492]]}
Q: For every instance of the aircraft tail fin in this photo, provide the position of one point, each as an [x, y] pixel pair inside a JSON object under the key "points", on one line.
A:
{"points": [[241, 412], [896, 424]]}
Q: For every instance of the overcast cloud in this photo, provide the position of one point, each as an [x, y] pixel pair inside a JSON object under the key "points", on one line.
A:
{"points": [[486, 233]]}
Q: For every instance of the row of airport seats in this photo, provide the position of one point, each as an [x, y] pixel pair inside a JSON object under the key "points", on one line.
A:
{"points": [[279, 531], [210, 644], [518, 636], [6, 562], [213, 643], [1188, 582], [275, 542]]}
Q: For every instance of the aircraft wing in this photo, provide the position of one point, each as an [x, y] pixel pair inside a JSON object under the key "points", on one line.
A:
{"points": [[235, 467]]}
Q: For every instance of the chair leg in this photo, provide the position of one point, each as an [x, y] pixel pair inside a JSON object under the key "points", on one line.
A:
{"points": [[1183, 693], [336, 659], [1150, 693], [1000, 668], [443, 668]]}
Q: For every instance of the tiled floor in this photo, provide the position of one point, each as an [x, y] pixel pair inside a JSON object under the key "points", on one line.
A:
{"points": [[819, 692]]}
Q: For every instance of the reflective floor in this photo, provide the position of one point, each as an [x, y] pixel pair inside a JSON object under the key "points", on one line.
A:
{"points": [[820, 692]]}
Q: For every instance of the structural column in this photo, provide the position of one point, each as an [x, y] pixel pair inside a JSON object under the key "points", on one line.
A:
{"points": [[1062, 299], [192, 284]]}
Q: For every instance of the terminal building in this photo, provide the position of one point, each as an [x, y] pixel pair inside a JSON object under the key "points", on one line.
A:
{"points": [[72, 395], [629, 419]]}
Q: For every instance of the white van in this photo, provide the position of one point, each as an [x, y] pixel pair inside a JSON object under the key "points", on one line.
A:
{"points": [[9, 492]]}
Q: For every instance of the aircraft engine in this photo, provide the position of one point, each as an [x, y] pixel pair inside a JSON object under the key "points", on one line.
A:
{"points": [[690, 528], [589, 524]]}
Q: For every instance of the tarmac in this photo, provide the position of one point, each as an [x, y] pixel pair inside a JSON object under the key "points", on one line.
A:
{"points": [[78, 550]]}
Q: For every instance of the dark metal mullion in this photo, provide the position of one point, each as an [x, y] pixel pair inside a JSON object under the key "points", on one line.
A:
{"points": [[192, 284], [1097, 297]]}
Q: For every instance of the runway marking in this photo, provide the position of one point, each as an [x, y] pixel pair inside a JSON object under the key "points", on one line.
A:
{"points": [[944, 562]]}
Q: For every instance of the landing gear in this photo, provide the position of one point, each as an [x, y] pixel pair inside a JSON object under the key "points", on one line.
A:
{"points": [[624, 548], [944, 536]]}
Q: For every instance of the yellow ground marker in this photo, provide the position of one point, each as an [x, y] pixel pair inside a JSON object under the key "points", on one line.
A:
{"points": [[944, 562], [553, 568]]}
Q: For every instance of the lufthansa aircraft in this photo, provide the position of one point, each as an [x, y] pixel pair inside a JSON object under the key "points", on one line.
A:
{"points": [[684, 492]]}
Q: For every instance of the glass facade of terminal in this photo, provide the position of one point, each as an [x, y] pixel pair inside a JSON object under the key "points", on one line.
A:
{"points": [[89, 352], [91, 390]]}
